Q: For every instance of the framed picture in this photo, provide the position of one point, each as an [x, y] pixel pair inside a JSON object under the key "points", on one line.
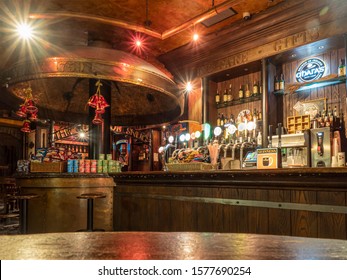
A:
{"points": [[310, 107]]}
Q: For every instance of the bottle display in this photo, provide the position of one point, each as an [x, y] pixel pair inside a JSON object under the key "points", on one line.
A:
{"points": [[342, 68], [230, 93], [255, 89], [247, 92], [281, 82], [218, 119], [241, 93], [225, 96], [277, 84], [217, 97]]}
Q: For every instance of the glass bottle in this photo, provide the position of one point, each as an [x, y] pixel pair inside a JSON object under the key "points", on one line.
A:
{"points": [[255, 89], [218, 119], [281, 82], [217, 97], [248, 92], [277, 84], [230, 93], [225, 96], [342, 68], [241, 93]]}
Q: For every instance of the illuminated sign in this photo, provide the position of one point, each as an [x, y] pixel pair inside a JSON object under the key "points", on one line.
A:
{"points": [[309, 70]]}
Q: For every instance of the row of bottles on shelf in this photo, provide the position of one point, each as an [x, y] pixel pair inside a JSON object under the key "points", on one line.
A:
{"points": [[244, 116], [244, 92], [279, 83], [328, 118]]}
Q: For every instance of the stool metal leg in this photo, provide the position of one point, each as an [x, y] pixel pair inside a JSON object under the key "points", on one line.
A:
{"points": [[90, 216], [23, 216]]}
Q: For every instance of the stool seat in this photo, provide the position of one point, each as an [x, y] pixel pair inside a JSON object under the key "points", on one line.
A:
{"points": [[91, 195], [90, 209], [24, 196], [9, 215]]}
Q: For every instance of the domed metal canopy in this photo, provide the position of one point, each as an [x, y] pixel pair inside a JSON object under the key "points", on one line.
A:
{"points": [[141, 94]]}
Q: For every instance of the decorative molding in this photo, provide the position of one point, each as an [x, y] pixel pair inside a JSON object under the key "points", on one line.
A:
{"points": [[281, 45]]}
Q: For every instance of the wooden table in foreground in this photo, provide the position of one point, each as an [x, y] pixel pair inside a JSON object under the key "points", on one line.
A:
{"points": [[168, 246]]}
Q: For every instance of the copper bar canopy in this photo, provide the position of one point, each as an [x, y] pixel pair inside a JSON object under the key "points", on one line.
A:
{"points": [[141, 93]]}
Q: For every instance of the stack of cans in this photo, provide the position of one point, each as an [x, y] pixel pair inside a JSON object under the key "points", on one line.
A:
{"points": [[81, 166], [87, 165], [72, 165], [99, 166], [93, 166]]}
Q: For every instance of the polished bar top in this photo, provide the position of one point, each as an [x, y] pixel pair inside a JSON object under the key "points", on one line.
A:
{"points": [[167, 246], [310, 177]]}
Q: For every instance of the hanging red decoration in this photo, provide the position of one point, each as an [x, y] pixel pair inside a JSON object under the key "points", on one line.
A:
{"points": [[98, 102], [27, 110], [26, 126]]}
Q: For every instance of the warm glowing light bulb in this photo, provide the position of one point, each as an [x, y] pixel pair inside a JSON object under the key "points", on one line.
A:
{"points": [[195, 36], [138, 43], [171, 139], [82, 135], [24, 31], [189, 87]]}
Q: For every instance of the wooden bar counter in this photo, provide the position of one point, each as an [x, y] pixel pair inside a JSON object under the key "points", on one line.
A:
{"points": [[309, 202], [168, 246], [57, 209]]}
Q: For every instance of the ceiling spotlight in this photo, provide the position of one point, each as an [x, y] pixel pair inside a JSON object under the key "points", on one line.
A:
{"points": [[24, 31], [138, 43], [195, 36]]}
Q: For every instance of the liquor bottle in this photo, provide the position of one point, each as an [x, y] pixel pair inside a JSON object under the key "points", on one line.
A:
{"points": [[247, 92], [218, 120], [259, 140], [217, 97], [260, 116], [255, 89], [277, 84], [336, 112], [241, 93], [222, 120], [232, 120], [255, 115], [281, 82], [225, 96], [230, 94], [342, 68]]}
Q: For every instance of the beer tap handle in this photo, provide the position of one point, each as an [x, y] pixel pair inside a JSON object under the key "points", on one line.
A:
{"points": [[279, 134], [270, 136]]}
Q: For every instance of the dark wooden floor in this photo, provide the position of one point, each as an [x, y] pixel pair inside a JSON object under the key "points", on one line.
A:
{"points": [[168, 246]]}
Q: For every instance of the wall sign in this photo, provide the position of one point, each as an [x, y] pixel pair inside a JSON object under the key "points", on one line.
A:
{"points": [[309, 70]]}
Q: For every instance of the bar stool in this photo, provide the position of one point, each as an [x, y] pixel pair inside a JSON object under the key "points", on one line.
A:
{"points": [[23, 210], [5, 225], [90, 209]]}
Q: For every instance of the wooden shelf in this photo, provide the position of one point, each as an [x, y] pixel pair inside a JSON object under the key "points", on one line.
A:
{"points": [[311, 85], [239, 101]]}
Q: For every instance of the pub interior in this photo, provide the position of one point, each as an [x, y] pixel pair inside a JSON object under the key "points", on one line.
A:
{"points": [[143, 128]]}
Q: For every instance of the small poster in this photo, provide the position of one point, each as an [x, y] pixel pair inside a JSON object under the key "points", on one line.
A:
{"points": [[268, 158]]}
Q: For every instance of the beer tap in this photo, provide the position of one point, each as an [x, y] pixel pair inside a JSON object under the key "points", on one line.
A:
{"points": [[279, 128], [270, 136]]}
